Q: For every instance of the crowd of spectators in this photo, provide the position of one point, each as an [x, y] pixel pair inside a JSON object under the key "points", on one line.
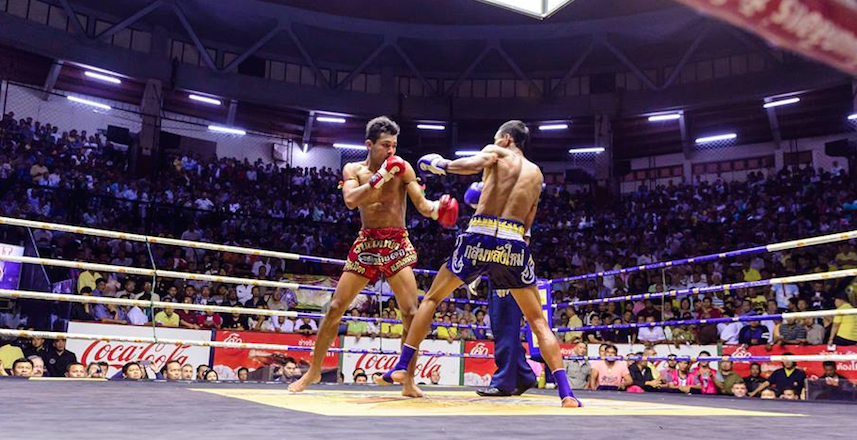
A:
{"points": [[78, 177], [680, 376]]}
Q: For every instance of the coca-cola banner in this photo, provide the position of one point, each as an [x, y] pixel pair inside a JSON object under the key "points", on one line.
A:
{"points": [[227, 361], [448, 368], [825, 30], [478, 372], [813, 369], [117, 353]]}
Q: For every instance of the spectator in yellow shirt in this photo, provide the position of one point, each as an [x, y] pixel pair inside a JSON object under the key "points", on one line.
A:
{"points": [[844, 331], [447, 331], [573, 321], [87, 279], [167, 318], [750, 274], [389, 330]]}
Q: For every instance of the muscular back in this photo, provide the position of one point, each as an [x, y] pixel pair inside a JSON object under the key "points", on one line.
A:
{"points": [[512, 187], [386, 207]]}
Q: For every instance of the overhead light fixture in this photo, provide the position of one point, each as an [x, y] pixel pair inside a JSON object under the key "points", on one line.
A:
{"points": [[102, 77], [227, 130], [782, 102], [462, 153], [342, 146], [550, 127], [666, 117], [540, 9], [330, 119], [204, 99], [88, 102], [435, 127], [852, 117], [586, 150], [306, 147], [719, 137]]}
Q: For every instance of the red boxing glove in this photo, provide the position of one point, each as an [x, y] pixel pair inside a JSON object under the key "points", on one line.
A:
{"points": [[392, 167], [445, 211]]}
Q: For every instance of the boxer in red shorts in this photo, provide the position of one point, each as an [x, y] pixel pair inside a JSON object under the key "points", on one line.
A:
{"points": [[379, 187]]}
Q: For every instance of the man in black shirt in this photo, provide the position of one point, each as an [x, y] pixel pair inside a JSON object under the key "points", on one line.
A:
{"points": [[59, 359], [642, 376], [789, 376], [754, 380]]}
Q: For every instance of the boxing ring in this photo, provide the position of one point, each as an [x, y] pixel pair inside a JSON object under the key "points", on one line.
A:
{"points": [[367, 411]]}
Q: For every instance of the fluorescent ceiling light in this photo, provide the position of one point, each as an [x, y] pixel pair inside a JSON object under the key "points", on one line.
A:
{"points": [[550, 127], [466, 153], [852, 117], [533, 8], [783, 102], [227, 130], [101, 77], [204, 99], [88, 102], [719, 137], [586, 150], [342, 146], [330, 119], [435, 127], [306, 147], [667, 117]]}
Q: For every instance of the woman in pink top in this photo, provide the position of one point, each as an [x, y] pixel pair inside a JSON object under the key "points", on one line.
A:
{"points": [[684, 380]]}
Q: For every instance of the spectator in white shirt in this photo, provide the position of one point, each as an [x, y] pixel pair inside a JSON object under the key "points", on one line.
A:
{"points": [[279, 324], [784, 293], [306, 326], [136, 316], [652, 335], [729, 331]]}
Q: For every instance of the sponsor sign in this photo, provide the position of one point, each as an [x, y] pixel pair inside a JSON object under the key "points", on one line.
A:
{"points": [[227, 361], [117, 353], [448, 369]]}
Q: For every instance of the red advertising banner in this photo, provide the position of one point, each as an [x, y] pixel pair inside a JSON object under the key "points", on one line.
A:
{"points": [[824, 30], [813, 369], [478, 372], [252, 359]]}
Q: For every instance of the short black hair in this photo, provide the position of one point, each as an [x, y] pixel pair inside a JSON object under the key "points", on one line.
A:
{"points": [[288, 360], [829, 364], [519, 132], [22, 361], [381, 125], [243, 369], [363, 375], [127, 366]]}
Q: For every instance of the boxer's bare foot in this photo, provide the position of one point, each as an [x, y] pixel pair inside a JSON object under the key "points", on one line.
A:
{"points": [[410, 389], [392, 377], [305, 381], [571, 402]]}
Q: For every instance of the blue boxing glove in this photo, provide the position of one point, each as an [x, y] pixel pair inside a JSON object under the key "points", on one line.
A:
{"points": [[471, 196], [433, 163]]}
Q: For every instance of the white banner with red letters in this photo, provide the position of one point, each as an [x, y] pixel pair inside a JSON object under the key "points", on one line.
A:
{"points": [[448, 368], [117, 353]]}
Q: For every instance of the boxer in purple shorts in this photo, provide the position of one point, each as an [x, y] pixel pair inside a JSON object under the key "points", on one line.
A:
{"points": [[493, 245]]}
